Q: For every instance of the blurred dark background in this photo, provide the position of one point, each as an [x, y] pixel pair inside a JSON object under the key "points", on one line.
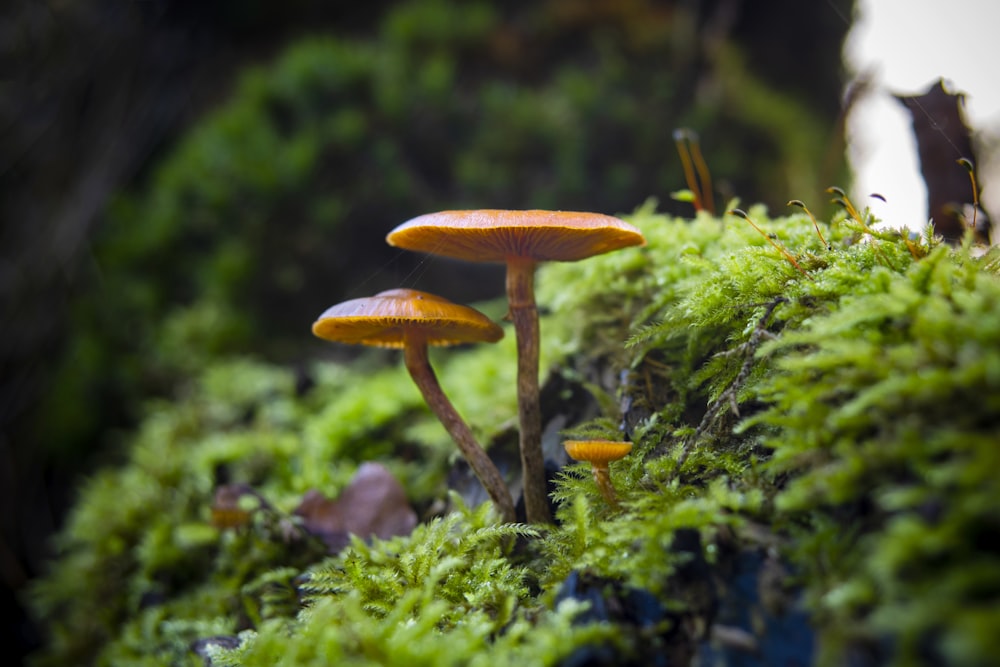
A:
{"points": [[187, 181]]}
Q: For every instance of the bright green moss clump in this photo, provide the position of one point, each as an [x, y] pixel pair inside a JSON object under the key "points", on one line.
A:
{"points": [[887, 419], [843, 422], [446, 595]]}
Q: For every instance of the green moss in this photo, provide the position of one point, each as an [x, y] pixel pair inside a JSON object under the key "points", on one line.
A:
{"points": [[343, 631], [886, 413], [844, 421]]}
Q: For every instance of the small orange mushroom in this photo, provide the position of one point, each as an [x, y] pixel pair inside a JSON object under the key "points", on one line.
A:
{"points": [[520, 239], [412, 320], [600, 453]]}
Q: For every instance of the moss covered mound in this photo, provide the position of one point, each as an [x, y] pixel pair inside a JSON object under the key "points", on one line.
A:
{"points": [[815, 457]]}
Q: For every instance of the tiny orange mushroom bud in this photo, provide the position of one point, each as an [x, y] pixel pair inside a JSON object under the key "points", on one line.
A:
{"points": [[600, 453], [229, 508]]}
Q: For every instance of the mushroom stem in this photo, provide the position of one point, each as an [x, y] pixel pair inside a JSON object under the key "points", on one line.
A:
{"points": [[602, 475], [524, 315], [418, 364]]}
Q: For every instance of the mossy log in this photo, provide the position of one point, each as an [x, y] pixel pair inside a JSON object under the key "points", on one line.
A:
{"points": [[814, 455]]}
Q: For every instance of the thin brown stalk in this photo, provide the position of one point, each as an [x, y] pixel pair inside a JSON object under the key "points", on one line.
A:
{"points": [[524, 315], [418, 364]]}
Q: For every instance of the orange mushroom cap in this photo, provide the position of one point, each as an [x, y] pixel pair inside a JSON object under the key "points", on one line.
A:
{"points": [[498, 235], [597, 452], [389, 317]]}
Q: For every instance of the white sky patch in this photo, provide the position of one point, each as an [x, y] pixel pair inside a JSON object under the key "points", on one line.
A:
{"points": [[907, 46]]}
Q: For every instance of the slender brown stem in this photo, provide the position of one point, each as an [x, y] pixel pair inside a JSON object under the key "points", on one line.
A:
{"points": [[524, 314], [704, 175], [417, 363], [681, 141], [767, 237], [602, 475]]}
